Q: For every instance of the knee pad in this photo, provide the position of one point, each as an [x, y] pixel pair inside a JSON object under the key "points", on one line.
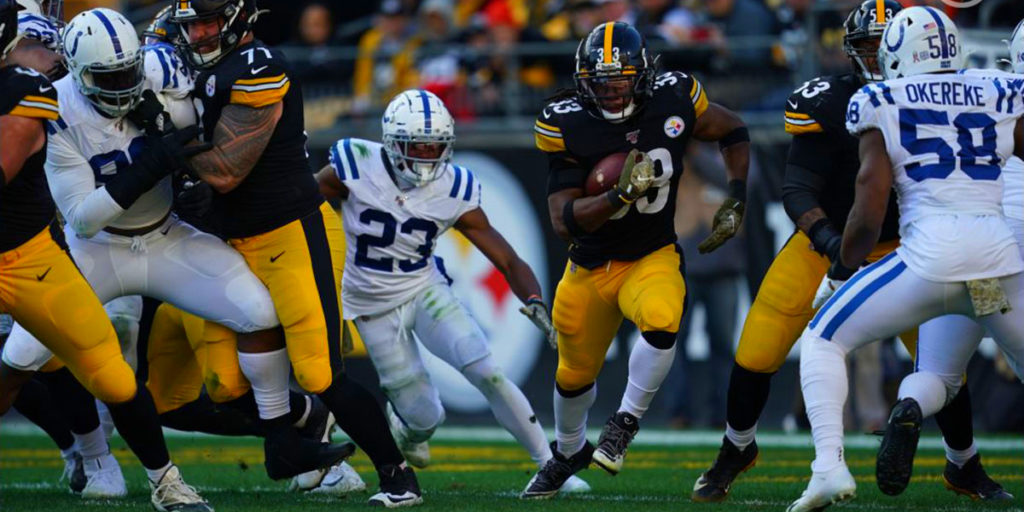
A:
{"points": [[313, 376], [572, 380], [659, 315], [660, 340], [418, 404], [113, 383]]}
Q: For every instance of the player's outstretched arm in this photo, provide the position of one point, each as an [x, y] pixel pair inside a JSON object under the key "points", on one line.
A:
{"points": [[718, 123], [475, 227], [874, 184], [239, 139], [22, 137], [330, 186]]}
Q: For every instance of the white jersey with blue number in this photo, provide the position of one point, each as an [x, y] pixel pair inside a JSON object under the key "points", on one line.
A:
{"points": [[40, 28], [86, 149], [948, 137], [390, 232]]}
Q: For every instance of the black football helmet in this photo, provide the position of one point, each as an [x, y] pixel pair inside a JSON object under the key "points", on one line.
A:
{"points": [[161, 30], [8, 26], [864, 27], [614, 71], [237, 18]]}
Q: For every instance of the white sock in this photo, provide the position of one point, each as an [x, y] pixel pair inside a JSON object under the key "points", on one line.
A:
{"points": [[93, 444], [927, 389], [740, 438], [823, 381], [648, 367], [268, 373], [105, 420], [156, 474], [510, 407], [960, 457], [571, 420], [70, 452]]}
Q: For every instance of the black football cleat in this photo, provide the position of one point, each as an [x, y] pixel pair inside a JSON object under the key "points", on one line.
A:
{"points": [[550, 479], [288, 454], [972, 481], [319, 422], [611, 449], [895, 462], [398, 487], [714, 484]]}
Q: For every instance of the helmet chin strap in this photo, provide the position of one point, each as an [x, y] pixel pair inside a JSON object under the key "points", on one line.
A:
{"points": [[618, 117]]}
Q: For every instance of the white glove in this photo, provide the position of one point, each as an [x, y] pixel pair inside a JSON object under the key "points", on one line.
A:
{"points": [[826, 290], [537, 312]]}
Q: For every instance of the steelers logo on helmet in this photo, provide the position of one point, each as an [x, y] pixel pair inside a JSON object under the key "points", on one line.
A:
{"points": [[614, 72], [864, 27], [209, 30]]}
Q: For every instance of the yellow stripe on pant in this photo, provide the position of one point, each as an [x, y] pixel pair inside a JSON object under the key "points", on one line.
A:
{"points": [[783, 309], [301, 264], [590, 304], [41, 287]]}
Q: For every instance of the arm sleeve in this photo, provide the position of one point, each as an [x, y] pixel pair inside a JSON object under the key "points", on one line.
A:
{"points": [[806, 167], [85, 208]]}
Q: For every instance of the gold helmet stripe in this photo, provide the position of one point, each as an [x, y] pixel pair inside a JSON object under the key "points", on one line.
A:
{"points": [[608, 28], [880, 10]]}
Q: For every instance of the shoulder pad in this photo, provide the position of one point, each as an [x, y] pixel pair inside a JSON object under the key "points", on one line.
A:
{"points": [[27, 93], [166, 71], [819, 105], [256, 76], [349, 156], [547, 130], [685, 86]]}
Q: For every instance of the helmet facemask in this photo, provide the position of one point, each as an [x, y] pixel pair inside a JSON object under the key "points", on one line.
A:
{"points": [[616, 95], [863, 51], [418, 159], [114, 89]]}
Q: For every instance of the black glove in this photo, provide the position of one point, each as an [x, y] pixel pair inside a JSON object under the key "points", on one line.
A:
{"points": [[838, 272], [826, 239], [194, 198], [159, 158], [149, 115]]}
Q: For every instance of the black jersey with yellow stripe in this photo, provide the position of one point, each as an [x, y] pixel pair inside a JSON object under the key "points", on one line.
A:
{"points": [[576, 141], [816, 117], [281, 187], [26, 207]]}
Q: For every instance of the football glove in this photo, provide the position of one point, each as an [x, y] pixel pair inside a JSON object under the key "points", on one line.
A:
{"points": [[637, 176], [149, 115], [194, 197], [837, 275], [538, 313], [728, 220]]}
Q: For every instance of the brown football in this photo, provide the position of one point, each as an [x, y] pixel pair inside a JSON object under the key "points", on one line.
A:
{"points": [[605, 174]]}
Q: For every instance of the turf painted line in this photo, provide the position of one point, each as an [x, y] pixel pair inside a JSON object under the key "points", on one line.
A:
{"points": [[653, 437]]}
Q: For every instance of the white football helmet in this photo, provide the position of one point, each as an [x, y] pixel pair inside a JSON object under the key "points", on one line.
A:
{"points": [[920, 40], [417, 120], [105, 60], [1016, 44]]}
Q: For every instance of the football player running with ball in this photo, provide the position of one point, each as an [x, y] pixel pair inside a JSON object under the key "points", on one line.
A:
{"points": [[623, 260], [398, 197], [270, 209], [818, 193]]}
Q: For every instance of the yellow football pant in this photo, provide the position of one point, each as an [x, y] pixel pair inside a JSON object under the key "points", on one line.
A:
{"points": [[783, 309], [184, 353], [41, 287], [590, 305], [301, 264]]}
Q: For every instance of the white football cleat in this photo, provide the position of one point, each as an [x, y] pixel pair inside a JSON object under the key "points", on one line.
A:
{"points": [[172, 494], [342, 479], [575, 485], [103, 478], [416, 454], [833, 486]]}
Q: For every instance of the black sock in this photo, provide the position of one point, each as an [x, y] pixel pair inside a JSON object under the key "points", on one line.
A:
{"points": [[362, 418], [298, 404], [246, 404], [35, 403], [748, 394], [72, 400], [955, 421], [202, 415], [139, 426]]}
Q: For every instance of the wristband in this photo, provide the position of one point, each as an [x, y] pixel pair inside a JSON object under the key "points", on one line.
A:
{"points": [[738, 190], [734, 137], [534, 299], [569, 219], [616, 199], [825, 238]]}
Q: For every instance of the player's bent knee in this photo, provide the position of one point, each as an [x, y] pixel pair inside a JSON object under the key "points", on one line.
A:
{"points": [[485, 375], [571, 380], [112, 384], [760, 361], [313, 376], [660, 316]]}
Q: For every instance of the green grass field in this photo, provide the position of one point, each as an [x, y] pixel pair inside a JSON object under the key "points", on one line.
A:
{"points": [[484, 471]]}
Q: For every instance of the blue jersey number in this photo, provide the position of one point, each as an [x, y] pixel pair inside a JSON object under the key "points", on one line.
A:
{"points": [[107, 165], [980, 162], [387, 237]]}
